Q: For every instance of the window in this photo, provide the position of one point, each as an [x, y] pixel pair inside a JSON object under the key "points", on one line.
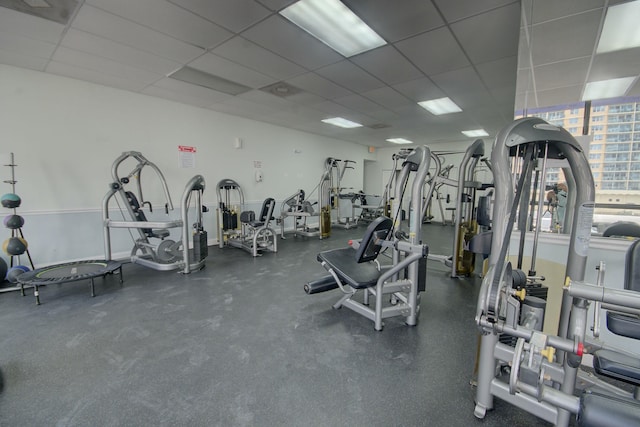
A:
{"points": [[622, 118], [614, 151], [620, 108], [616, 157]]}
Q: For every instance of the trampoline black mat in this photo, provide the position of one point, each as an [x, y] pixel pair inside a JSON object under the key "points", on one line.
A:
{"points": [[69, 272]]}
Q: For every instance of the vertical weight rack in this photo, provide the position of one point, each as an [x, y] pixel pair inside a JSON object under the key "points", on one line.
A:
{"points": [[16, 245]]}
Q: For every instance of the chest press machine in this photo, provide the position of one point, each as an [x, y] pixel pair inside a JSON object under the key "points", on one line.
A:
{"points": [[543, 376], [356, 268]]}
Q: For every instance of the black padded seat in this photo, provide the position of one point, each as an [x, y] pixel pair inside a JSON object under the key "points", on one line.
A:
{"points": [[623, 324], [611, 363], [349, 271], [266, 213], [604, 410], [617, 365]]}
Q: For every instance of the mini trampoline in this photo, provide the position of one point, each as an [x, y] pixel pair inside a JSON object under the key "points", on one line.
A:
{"points": [[68, 272]]}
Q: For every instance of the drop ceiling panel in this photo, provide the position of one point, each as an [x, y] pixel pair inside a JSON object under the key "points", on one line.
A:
{"points": [[559, 96], [305, 98], [259, 97], [544, 10], [419, 89], [26, 46], [394, 21], [221, 67], [311, 82], [30, 26], [103, 65], [384, 116], [17, 59], [107, 25], [388, 65], [332, 109], [454, 10], [235, 15], [177, 88], [276, 5], [562, 39], [249, 54], [346, 74], [434, 52], [358, 103], [168, 19], [499, 73], [75, 72], [388, 97], [461, 81], [89, 43], [484, 43], [627, 64], [560, 74], [278, 35], [206, 95], [635, 89]]}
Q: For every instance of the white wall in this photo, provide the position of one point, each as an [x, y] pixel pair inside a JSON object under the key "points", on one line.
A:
{"points": [[65, 135]]}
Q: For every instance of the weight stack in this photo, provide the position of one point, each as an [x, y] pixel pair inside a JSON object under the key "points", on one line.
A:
{"points": [[200, 248]]}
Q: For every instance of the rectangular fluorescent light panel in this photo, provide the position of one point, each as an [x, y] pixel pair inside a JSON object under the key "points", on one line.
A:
{"points": [[333, 24], [399, 141], [607, 88], [343, 123], [620, 30], [475, 133], [440, 106]]}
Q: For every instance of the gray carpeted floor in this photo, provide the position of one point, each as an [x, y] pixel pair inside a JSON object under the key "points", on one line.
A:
{"points": [[240, 344]]}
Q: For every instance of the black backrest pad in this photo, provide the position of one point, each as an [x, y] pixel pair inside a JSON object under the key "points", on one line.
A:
{"points": [[267, 206], [371, 243], [632, 267]]}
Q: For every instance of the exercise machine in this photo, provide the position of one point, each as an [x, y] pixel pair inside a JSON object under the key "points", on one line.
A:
{"points": [[383, 207], [240, 228], [335, 169], [356, 270], [517, 362], [152, 247], [462, 260]]}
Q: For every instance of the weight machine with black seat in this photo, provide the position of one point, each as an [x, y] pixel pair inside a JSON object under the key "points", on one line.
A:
{"points": [[517, 362], [166, 254], [239, 228], [356, 268]]}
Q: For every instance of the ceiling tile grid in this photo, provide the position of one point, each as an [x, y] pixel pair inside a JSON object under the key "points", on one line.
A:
{"points": [[464, 49]]}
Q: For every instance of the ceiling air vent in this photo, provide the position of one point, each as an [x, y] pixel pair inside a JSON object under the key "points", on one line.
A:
{"points": [[281, 89]]}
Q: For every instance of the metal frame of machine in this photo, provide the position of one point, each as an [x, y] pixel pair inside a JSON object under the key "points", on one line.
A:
{"points": [[168, 254]]}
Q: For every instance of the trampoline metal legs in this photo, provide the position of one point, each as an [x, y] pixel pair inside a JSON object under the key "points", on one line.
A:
{"points": [[36, 292]]}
